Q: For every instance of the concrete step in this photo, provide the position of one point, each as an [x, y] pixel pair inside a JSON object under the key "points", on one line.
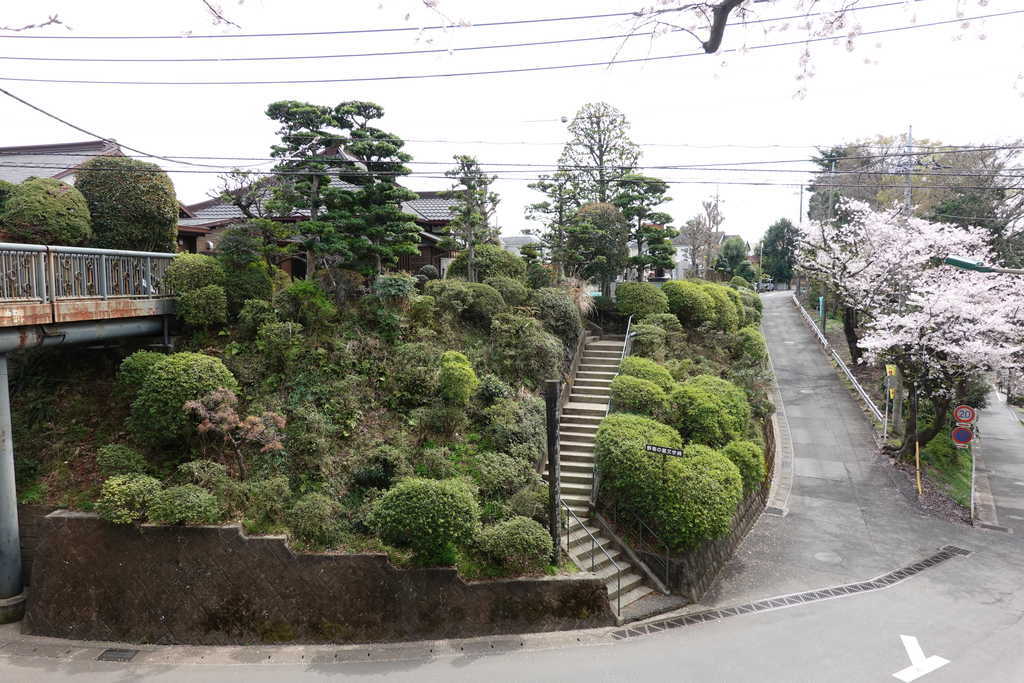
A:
{"points": [[589, 409], [577, 459], [573, 488], [590, 427], [602, 383], [630, 581], [621, 338], [602, 353], [584, 479], [588, 398], [591, 363], [600, 560], [641, 591], [598, 392], [577, 532], [578, 542], [577, 435], [577, 502], [606, 344]]}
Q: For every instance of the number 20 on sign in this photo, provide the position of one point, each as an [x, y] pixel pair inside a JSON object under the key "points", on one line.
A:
{"points": [[964, 414]]}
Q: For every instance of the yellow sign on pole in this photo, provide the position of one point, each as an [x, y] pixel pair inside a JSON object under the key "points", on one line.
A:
{"points": [[890, 371]]}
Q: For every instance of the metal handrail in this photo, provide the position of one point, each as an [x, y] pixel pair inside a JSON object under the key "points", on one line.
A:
{"points": [[839, 362], [627, 347], [594, 545], [636, 518]]}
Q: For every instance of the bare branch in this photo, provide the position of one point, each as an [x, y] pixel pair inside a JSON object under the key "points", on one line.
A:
{"points": [[218, 15], [53, 20]]}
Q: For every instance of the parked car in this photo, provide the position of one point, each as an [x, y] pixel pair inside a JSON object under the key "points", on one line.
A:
{"points": [[764, 286]]}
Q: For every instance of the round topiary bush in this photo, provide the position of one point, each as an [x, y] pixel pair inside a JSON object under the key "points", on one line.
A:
{"points": [[692, 450], [46, 211], [489, 260], [749, 459], [485, 302], [649, 341], [690, 303], [193, 271], [315, 520], [739, 283], [204, 307], [185, 504], [394, 286], [245, 283], [665, 321], [133, 203], [531, 502], [703, 493], [514, 292], [304, 302], [709, 410], [266, 500], [499, 475], [427, 515], [457, 382], [158, 415], [125, 498], [645, 368], [640, 299], [737, 304], [726, 317], [517, 425], [559, 314], [522, 352], [630, 475], [519, 544], [115, 459], [636, 395], [452, 296], [749, 346], [136, 367], [493, 388]]}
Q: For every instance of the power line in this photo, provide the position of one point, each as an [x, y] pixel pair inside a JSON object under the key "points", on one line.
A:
{"points": [[529, 69], [393, 29], [388, 53]]}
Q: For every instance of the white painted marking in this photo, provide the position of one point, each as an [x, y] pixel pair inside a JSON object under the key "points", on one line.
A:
{"points": [[919, 664]]}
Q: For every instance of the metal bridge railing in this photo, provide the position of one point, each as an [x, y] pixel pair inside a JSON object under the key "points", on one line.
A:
{"points": [[39, 274]]}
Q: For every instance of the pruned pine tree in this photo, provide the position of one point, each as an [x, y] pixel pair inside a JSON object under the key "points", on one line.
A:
{"points": [[638, 197], [599, 151], [473, 212]]}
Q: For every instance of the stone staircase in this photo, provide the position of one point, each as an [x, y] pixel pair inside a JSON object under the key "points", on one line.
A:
{"points": [[587, 406]]}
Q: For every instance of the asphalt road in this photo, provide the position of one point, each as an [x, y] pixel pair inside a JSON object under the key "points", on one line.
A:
{"points": [[1001, 448], [847, 521]]}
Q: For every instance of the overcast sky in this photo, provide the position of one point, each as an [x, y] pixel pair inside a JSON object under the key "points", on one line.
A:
{"points": [[955, 84]]}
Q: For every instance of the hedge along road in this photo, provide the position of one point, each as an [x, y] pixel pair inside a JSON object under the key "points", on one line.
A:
{"points": [[847, 521]]}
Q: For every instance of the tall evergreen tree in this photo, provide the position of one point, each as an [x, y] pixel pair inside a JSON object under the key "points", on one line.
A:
{"points": [[599, 151], [473, 210], [554, 213], [637, 197], [778, 250], [597, 244]]}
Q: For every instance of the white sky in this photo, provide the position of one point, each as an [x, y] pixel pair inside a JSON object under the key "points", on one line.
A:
{"points": [[954, 84]]}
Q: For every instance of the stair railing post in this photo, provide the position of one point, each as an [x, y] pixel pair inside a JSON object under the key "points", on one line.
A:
{"points": [[551, 391]]}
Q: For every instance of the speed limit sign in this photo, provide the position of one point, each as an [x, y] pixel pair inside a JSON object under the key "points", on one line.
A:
{"points": [[964, 414]]}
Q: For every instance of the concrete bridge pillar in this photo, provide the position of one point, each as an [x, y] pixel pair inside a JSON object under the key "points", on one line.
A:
{"points": [[12, 595]]}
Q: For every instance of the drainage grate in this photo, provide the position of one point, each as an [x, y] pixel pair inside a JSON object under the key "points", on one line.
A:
{"points": [[115, 655], [783, 601]]}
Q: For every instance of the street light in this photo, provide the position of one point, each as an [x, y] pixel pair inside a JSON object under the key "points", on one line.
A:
{"points": [[965, 263]]}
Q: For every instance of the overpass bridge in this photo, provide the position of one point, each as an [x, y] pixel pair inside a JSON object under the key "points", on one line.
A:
{"points": [[65, 295]]}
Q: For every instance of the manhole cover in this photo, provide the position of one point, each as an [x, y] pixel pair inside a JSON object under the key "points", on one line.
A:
{"points": [[115, 655]]}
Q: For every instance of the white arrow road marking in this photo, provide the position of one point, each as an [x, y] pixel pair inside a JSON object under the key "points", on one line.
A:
{"points": [[919, 664]]}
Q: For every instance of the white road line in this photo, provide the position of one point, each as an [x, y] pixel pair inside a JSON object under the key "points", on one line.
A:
{"points": [[919, 664]]}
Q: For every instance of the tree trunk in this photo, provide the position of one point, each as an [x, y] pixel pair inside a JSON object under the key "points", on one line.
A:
{"points": [[850, 330], [470, 265], [923, 436], [314, 211]]}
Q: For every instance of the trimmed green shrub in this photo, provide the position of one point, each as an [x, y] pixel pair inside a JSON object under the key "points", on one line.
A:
{"points": [[739, 283], [193, 271], [538, 275], [690, 303], [414, 373], [726, 316], [703, 494], [640, 299], [489, 260], [753, 300], [635, 395], [125, 498], [394, 286], [279, 344], [304, 302], [136, 367], [254, 314], [117, 459], [429, 271], [422, 310], [250, 282], [457, 382], [559, 314], [316, 521], [518, 425], [186, 504], [531, 501], [46, 211], [214, 477], [133, 203], [709, 410], [514, 292], [645, 368], [158, 415], [493, 388], [737, 305], [749, 459], [452, 296], [749, 346], [266, 500], [485, 302], [499, 475], [204, 307], [630, 475], [665, 321], [522, 352], [519, 544], [692, 450], [380, 468], [649, 341], [427, 515], [6, 189]]}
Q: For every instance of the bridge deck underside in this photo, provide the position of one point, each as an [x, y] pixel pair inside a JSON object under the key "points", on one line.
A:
{"points": [[21, 313]]}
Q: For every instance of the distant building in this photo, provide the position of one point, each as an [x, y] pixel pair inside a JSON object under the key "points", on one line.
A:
{"points": [[58, 161], [513, 244]]}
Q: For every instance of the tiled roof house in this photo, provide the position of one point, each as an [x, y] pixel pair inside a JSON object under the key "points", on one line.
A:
{"points": [[51, 161]]}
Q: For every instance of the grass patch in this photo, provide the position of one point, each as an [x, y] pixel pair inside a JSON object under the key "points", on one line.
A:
{"points": [[949, 467]]}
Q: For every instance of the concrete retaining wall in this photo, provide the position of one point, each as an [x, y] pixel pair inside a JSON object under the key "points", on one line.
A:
{"points": [[214, 585], [29, 517]]}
